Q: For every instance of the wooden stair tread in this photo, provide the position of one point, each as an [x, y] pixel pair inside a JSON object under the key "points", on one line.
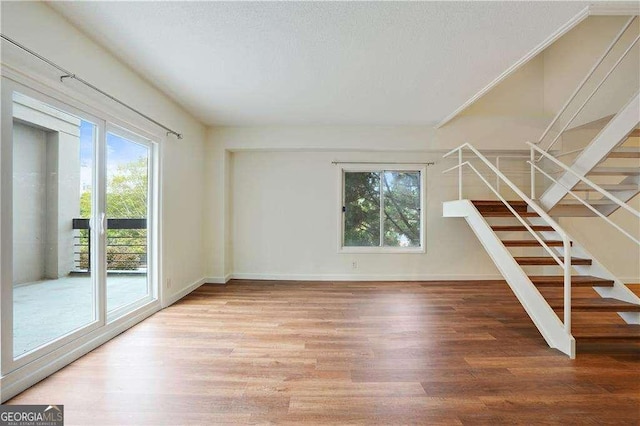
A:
{"points": [[576, 280], [507, 213], [607, 187], [549, 261], [606, 331], [625, 152], [574, 202], [521, 228], [595, 304], [492, 207], [615, 171], [531, 243], [513, 203], [634, 133]]}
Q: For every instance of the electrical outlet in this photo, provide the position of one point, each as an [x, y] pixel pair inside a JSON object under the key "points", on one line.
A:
{"points": [[354, 264], [168, 282]]}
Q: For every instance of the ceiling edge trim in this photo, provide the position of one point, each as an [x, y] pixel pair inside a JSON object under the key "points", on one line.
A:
{"points": [[581, 16]]}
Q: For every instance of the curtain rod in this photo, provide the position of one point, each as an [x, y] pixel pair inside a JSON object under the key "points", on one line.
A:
{"points": [[430, 163], [69, 74]]}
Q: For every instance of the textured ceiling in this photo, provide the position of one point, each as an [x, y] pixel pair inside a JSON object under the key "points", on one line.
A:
{"points": [[281, 63]]}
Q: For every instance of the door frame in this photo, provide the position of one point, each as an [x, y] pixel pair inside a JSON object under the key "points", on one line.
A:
{"points": [[152, 209], [31, 366], [9, 362]]}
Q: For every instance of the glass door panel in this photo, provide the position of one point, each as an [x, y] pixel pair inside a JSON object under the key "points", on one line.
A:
{"points": [[54, 290], [127, 213]]}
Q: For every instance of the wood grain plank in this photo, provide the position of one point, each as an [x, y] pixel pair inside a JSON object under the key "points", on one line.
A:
{"points": [[350, 352]]}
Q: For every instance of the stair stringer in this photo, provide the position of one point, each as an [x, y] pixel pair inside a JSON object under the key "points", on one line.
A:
{"points": [[619, 290], [542, 315], [613, 133]]}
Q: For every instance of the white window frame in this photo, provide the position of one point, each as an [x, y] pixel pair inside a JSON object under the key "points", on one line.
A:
{"points": [[379, 168]]}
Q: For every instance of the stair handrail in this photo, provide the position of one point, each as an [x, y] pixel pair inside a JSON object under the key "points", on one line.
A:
{"points": [[566, 242], [587, 181], [584, 179], [512, 210], [498, 158], [584, 81], [593, 209], [595, 90], [573, 151]]}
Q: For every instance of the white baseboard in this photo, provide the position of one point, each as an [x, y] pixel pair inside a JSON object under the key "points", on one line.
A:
{"points": [[170, 300], [24, 377], [364, 277], [219, 280]]}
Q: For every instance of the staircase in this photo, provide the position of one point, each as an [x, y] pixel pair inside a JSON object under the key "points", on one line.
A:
{"points": [[566, 291], [562, 287], [610, 161], [605, 175], [585, 287]]}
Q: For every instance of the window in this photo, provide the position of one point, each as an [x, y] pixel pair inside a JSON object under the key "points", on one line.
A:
{"points": [[382, 210]]}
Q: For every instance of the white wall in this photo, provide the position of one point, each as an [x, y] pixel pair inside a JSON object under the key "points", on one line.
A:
{"points": [[286, 208], [260, 177], [512, 113], [46, 155], [263, 180], [568, 60], [29, 233], [46, 178], [40, 28]]}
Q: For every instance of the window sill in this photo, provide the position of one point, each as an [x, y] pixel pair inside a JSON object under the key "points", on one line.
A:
{"points": [[381, 250]]}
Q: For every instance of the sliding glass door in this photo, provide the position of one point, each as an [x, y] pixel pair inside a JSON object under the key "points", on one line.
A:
{"points": [[77, 234], [53, 173], [128, 196]]}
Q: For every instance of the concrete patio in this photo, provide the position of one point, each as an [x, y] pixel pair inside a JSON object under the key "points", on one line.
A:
{"points": [[46, 310]]}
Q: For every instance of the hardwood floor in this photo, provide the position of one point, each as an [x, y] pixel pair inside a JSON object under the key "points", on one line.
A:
{"points": [[345, 352]]}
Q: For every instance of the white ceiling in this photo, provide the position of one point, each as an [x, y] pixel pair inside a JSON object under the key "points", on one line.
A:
{"points": [[281, 63]]}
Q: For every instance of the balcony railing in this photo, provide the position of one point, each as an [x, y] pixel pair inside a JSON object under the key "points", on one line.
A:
{"points": [[126, 244]]}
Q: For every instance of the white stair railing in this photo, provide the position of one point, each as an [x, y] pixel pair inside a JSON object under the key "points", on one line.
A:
{"points": [[606, 194], [565, 263]]}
